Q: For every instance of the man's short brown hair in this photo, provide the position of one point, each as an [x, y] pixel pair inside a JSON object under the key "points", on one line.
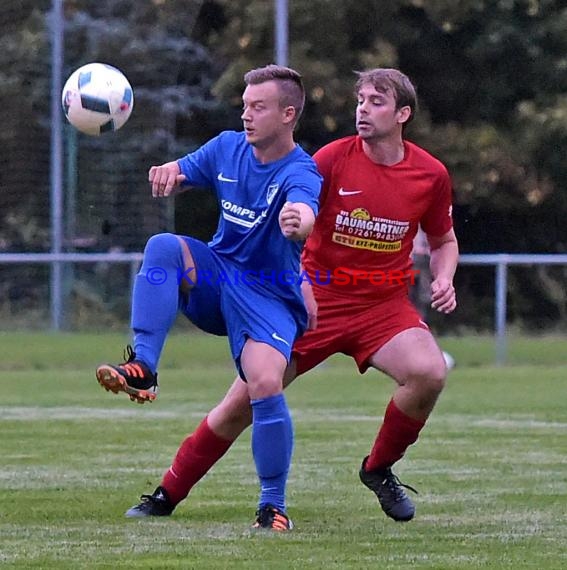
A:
{"points": [[387, 79], [292, 91]]}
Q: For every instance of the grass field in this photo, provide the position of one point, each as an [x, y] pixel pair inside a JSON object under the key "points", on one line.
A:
{"points": [[491, 467]]}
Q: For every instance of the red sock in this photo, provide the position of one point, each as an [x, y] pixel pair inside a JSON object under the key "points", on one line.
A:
{"points": [[195, 456], [397, 433]]}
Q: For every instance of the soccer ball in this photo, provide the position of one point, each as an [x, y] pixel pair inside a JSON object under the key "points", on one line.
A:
{"points": [[97, 98]]}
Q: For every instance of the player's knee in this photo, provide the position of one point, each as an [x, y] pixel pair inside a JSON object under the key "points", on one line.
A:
{"points": [[428, 377], [162, 246], [435, 377], [264, 385], [436, 382]]}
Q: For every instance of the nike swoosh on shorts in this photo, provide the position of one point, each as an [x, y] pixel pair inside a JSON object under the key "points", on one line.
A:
{"points": [[275, 336]]}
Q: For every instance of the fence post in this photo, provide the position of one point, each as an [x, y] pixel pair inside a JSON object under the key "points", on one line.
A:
{"points": [[500, 311], [56, 163], [281, 32]]}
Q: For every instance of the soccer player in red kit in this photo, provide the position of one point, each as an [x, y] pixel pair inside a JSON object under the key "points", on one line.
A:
{"points": [[378, 188]]}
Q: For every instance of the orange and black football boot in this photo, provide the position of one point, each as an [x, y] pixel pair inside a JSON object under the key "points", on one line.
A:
{"points": [[132, 377], [271, 518]]}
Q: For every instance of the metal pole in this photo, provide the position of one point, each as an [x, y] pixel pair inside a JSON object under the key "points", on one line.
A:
{"points": [[71, 184], [500, 311], [70, 221], [56, 178], [281, 29]]}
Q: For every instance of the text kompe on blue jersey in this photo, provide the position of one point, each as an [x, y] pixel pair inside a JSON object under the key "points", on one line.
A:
{"points": [[250, 196]]}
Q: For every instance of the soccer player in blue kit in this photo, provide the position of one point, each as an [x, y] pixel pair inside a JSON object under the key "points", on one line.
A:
{"points": [[245, 283]]}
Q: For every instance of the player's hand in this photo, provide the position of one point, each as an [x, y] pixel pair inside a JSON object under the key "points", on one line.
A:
{"points": [[290, 221], [310, 304], [165, 179], [443, 296]]}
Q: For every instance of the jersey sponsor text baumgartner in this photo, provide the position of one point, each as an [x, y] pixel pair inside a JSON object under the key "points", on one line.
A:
{"points": [[370, 214]]}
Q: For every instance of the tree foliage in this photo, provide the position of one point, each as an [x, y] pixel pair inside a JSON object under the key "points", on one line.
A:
{"points": [[491, 77]]}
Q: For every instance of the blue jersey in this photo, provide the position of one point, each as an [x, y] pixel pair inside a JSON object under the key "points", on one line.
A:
{"points": [[250, 196]]}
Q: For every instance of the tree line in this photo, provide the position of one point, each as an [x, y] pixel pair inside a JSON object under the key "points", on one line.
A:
{"points": [[491, 78]]}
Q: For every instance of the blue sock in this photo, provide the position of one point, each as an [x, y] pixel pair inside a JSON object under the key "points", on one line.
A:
{"points": [[272, 446], [155, 299]]}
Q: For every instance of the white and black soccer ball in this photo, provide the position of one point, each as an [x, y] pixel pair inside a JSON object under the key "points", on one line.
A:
{"points": [[97, 98]]}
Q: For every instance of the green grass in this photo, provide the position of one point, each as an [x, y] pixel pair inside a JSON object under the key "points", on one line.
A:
{"points": [[491, 466]]}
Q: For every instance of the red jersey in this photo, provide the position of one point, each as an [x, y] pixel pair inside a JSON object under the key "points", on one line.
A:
{"points": [[369, 214]]}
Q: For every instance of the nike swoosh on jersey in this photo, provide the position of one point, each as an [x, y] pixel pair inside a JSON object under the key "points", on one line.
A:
{"points": [[343, 192], [225, 179], [275, 336]]}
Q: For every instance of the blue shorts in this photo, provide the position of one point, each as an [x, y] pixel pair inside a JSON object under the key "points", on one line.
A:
{"points": [[230, 307]]}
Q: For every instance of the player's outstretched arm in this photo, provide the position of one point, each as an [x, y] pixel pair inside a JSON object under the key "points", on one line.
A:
{"points": [[296, 220], [166, 179]]}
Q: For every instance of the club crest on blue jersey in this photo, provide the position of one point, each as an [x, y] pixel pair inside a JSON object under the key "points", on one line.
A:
{"points": [[272, 191]]}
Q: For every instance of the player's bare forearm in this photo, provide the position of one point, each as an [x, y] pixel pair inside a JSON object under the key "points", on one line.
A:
{"points": [[296, 220], [443, 264], [307, 220], [310, 303], [166, 180]]}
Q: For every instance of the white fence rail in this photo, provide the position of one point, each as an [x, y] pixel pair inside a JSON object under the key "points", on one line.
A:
{"points": [[501, 262]]}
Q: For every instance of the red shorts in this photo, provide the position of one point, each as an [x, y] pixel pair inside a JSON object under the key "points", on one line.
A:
{"points": [[354, 328]]}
